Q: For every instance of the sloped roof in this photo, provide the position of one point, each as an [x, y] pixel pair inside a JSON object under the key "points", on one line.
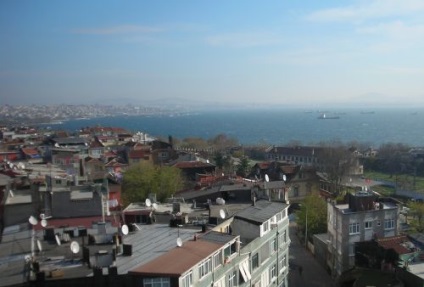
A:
{"points": [[133, 154], [400, 244], [193, 164]]}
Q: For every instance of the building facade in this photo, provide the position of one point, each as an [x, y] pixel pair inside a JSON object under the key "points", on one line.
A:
{"points": [[363, 218]]}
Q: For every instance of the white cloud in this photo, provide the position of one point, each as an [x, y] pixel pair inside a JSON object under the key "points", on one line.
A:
{"points": [[368, 9], [248, 39], [396, 29], [120, 29]]}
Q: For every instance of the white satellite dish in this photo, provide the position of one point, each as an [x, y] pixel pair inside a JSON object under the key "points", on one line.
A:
{"points": [[155, 206], [266, 178], [40, 248], [124, 229], [57, 240], [33, 220], [179, 242], [43, 223], [27, 258], [75, 247], [207, 161], [222, 213], [42, 216], [284, 177], [148, 202]]}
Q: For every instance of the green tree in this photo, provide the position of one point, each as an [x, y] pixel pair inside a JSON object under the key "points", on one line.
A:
{"points": [[243, 168], [313, 213], [143, 179], [417, 218]]}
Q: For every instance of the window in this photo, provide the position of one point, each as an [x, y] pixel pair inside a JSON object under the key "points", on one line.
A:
{"points": [[354, 228], [283, 263], [220, 282], [274, 245], [156, 282], [295, 191], [279, 217], [368, 224], [232, 279], [272, 272], [217, 260], [389, 224], [188, 280], [265, 226], [230, 250], [255, 261], [205, 267]]}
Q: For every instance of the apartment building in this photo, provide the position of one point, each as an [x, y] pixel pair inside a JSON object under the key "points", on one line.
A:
{"points": [[363, 218], [250, 249]]}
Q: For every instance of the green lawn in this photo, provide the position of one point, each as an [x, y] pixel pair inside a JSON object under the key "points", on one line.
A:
{"points": [[403, 181]]}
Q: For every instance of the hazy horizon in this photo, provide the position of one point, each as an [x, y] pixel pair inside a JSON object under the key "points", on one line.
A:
{"points": [[305, 54]]}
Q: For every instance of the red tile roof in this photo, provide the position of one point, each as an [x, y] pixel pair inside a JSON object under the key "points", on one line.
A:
{"points": [[87, 222], [133, 154], [192, 164], [398, 243]]}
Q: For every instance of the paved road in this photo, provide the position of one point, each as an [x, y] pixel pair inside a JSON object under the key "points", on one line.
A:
{"points": [[313, 274]]}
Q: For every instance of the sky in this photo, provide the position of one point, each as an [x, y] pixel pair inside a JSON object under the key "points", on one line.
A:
{"points": [[283, 53]]}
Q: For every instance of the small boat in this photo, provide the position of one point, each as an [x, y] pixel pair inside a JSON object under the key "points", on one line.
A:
{"points": [[323, 116]]}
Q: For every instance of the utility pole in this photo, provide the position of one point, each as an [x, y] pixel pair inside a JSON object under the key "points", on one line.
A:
{"points": [[306, 229]]}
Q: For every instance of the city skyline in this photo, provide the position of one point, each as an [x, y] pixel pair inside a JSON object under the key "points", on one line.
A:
{"points": [[311, 54]]}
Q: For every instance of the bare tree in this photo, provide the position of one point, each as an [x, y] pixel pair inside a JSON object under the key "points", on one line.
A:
{"points": [[336, 161]]}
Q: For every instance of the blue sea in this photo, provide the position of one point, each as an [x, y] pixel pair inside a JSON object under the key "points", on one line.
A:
{"points": [[276, 126]]}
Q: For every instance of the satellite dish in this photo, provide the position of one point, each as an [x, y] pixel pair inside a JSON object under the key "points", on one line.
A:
{"points": [[124, 229], [284, 177], [207, 161], [222, 213], [42, 216], [266, 178], [43, 223], [27, 258], [40, 248], [148, 202], [75, 247], [155, 206], [33, 220], [179, 242], [57, 240]]}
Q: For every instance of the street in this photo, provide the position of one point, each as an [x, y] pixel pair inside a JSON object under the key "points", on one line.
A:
{"points": [[305, 271]]}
